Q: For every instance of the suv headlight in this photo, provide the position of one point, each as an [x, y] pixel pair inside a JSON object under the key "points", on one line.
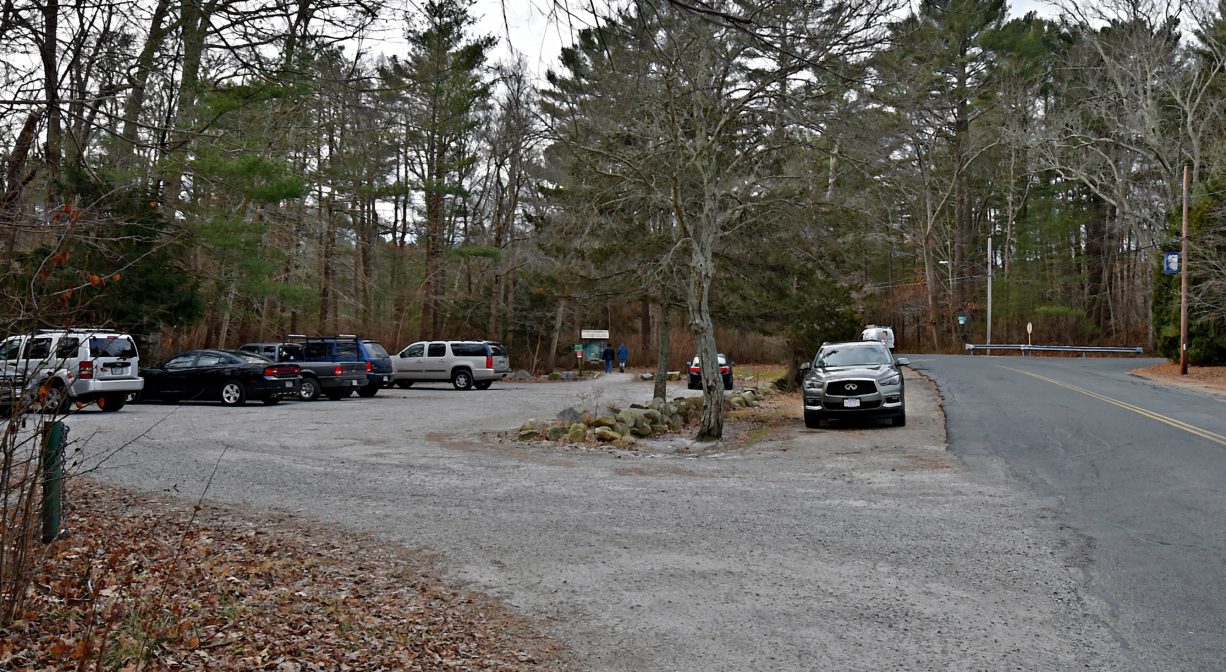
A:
{"points": [[892, 380], [813, 384]]}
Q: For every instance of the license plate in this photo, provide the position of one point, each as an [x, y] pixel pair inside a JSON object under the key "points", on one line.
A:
{"points": [[289, 383], [353, 383], [851, 402]]}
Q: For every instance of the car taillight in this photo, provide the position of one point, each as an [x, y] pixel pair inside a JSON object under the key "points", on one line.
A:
{"points": [[489, 361], [278, 370], [85, 371], [369, 367], [695, 369], [339, 370]]}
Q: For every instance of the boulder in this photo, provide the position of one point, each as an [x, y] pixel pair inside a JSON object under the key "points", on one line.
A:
{"points": [[554, 375], [556, 432], [570, 415], [605, 434], [626, 442], [529, 435], [577, 433], [674, 375], [521, 375], [531, 424], [605, 421], [647, 376]]}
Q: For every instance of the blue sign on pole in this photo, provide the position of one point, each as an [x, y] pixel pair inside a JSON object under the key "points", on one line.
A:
{"points": [[1170, 263]]}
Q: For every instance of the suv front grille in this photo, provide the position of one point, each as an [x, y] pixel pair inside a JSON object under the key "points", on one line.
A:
{"points": [[851, 388]]}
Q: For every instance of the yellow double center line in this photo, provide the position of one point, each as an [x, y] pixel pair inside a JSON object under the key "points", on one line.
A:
{"points": [[1177, 424]]}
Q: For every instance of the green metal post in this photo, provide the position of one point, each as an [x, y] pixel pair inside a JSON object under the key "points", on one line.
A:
{"points": [[55, 437]]}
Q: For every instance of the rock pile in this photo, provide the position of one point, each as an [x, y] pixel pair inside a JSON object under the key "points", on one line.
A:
{"points": [[624, 427]]}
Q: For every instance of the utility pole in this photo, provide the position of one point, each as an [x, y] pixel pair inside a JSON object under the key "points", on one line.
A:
{"points": [[1183, 281]]}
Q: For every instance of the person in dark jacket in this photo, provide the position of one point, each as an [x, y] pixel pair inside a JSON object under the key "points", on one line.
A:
{"points": [[622, 355], [607, 356]]}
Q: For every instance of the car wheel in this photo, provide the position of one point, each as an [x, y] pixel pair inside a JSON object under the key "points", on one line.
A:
{"points": [[309, 390], [813, 420], [369, 390], [899, 420], [56, 398], [271, 401], [110, 403], [404, 384], [483, 384], [462, 379], [232, 393]]}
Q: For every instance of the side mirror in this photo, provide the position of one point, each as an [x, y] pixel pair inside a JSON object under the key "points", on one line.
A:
{"points": [[805, 367], [903, 361]]}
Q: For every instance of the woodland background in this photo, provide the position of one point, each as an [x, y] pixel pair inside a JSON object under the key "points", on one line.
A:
{"points": [[768, 174]]}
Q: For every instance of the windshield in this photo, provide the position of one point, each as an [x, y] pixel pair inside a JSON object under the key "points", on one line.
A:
{"points": [[250, 357], [111, 346], [853, 355], [375, 350]]}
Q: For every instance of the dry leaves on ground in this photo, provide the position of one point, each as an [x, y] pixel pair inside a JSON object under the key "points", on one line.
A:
{"points": [[1212, 377], [134, 587]]}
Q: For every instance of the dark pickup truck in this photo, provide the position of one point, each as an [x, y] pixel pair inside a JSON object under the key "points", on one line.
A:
{"points": [[333, 379]]}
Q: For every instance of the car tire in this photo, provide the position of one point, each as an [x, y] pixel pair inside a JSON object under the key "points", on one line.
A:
{"points": [[462, 379], [899, 420], [483, 384], [309, 391], [369, 390], [813, 420], [232, 393], [109, 403], [271, 401], [404, 384], [56, 399]]}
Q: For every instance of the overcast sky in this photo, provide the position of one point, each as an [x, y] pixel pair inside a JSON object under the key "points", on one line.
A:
{"points": [[539, 29]]}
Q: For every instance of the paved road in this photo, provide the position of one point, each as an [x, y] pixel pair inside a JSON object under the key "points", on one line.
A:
{"points": [[851, 548], [1136, 467]]}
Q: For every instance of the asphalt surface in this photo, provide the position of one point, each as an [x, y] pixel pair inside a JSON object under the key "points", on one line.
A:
{"points": [[849, 548], [1136, 468]]}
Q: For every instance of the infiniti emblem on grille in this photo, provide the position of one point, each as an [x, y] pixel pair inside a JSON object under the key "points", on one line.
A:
{"points": [[850, 387]]}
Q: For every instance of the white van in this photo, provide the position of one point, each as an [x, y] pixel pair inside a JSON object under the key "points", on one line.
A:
{"points": [[875, 333]]}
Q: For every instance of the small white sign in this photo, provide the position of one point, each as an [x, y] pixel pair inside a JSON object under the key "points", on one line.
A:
{"points": [[594, 334], [1030, 327]]}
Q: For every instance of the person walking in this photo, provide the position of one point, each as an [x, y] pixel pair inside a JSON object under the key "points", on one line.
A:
{"points": [[622, 355], [607, 356]]}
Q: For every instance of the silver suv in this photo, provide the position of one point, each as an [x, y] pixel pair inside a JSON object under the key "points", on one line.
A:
{"points": [[466, 364], [856, 379], [75, 364]]}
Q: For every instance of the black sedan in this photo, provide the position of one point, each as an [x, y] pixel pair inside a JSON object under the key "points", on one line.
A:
{"points": [[230, 376]]}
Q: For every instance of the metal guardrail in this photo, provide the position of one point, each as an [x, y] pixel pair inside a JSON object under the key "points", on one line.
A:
{"points": [[1083, 349]]}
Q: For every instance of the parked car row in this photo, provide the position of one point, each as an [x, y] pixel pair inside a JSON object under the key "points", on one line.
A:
{"points": [[55, 367]]}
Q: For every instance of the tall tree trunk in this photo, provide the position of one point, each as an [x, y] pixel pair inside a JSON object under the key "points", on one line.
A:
{"points": [[645, 325], [551, 359], [51, 88], [431, 285], [194, 24], [659, 387], [139, 78]]}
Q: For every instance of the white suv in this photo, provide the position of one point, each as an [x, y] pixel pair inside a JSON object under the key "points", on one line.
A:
{"points": [[74, 364], [466, 364]]}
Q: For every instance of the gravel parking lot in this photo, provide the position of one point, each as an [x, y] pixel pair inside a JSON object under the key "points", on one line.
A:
{"points": [[853, 548]]}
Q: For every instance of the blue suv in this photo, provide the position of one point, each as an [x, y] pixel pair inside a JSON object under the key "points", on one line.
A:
{"points": [[350, 348]]}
